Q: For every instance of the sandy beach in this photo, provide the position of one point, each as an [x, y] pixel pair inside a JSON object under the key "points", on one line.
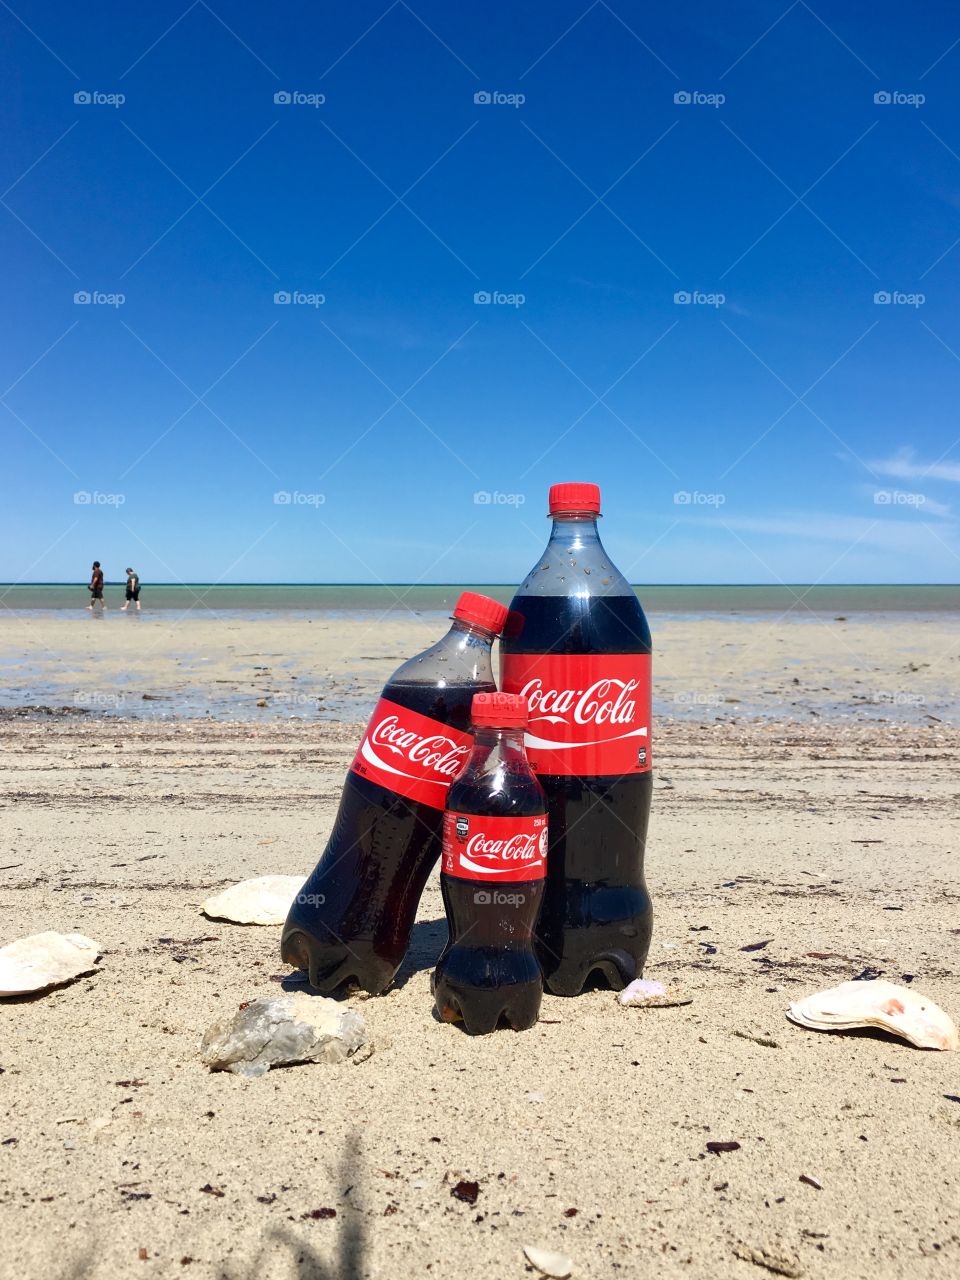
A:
{"points": [[806, 797]]}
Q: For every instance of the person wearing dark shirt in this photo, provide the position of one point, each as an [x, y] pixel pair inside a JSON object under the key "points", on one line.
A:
{"points": [[133, 591], [96, 586]]}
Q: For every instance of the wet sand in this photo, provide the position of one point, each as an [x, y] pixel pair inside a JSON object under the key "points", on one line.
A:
{"points": [[896, 667], [811, 830]]}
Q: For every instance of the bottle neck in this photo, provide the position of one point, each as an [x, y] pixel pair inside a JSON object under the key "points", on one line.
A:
{"points": [[574, 532], [497, 752], [461, 631], [504, 740], [574, 563], [460, 657]]}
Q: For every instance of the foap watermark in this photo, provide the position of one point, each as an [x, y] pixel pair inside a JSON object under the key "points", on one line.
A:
{"points": [[898, 498], [95, 98], [294, 698], [894, 298], [311, 899], [497, 898], [697, 298], [294, 498], [297, 298], [694, 498], [494, 498], [94, 498], [894, 98], [494, 98], [899, 698], [494, 298], [96, 298], [98, 698], [697, 698], [694, 98], [295, 98]]}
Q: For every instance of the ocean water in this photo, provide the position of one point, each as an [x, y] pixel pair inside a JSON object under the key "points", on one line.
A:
{"points": [[202, 598]]}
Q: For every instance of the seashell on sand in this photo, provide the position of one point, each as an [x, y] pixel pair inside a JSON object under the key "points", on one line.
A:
{"points": [[548, 1263], [899, 1010], [264, 900], [645, 993], [44, 960]]}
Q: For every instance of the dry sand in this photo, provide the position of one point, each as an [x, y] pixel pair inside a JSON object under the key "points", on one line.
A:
{"points": [[586, 1134]]}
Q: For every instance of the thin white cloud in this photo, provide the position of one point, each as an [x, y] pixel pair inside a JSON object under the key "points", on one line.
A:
{"points": [[908, 536], [903, 465], [933, 508]]}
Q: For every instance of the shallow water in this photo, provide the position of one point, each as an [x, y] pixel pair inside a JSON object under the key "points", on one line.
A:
{"points": [[393, 600], [329, 664]]}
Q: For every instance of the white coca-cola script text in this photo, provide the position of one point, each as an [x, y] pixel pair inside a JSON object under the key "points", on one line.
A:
{"points": [[606, 701], [435, 752]]}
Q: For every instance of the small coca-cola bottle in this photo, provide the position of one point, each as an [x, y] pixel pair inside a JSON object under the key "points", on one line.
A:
{"points": [[491, 876], [351, 921]]}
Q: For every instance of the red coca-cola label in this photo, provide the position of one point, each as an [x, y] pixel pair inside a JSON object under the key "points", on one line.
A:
{"points": [[589, 713], [411, 754], [495, 849]]}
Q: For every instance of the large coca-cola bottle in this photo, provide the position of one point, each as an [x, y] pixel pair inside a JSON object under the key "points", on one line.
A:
{"points": [[351, 921], [577, 647]]}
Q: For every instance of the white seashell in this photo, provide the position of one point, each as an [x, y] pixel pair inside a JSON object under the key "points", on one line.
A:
{"points": [[644, 993], [900, 1010], [549, 1264], [44, 960], [265, 900]]}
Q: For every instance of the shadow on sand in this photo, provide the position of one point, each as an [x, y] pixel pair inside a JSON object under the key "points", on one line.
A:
{"points": [[346, 1260], [426, 943], [282, 1251]]}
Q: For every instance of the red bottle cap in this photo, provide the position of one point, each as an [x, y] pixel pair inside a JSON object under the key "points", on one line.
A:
{"points": [[568, 498], [500, 710], [481, 611]]}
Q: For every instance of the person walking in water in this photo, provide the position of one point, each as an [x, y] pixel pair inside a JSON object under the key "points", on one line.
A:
{"points": [[96, 586], [133, 591]]}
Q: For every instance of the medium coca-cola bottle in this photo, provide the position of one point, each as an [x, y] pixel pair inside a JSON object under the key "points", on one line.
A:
{"points": [[577, 647], [491, 877], [351, 921]]}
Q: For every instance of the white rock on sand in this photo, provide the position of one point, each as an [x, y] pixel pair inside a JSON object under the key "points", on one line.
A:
{"points": [[264, 900], [44, 960], [281, 1030]]}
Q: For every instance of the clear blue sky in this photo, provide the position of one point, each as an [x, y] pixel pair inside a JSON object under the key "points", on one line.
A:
{"points": [[814, 429]]}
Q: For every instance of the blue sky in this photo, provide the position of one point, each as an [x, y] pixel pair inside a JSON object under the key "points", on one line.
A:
{"points": [[682, 223]]}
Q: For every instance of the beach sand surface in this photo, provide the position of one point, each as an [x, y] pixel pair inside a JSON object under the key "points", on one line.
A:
{"points": [[830, 837]]}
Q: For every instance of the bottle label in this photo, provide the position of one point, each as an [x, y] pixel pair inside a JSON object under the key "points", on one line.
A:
{"points": [[495, 849], [411, 754], [589, 713]]}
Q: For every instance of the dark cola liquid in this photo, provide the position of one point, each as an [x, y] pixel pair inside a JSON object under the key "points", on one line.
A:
{"points": [[352, 920], [597, 916], [488, 971]]}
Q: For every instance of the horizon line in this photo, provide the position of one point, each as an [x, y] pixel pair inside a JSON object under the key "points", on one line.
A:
{"points": [[819, 586]]}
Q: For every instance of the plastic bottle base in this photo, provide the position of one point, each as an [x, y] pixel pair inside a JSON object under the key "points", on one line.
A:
{"points": [[481, 1012], [330, 967], [615, 968]]}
